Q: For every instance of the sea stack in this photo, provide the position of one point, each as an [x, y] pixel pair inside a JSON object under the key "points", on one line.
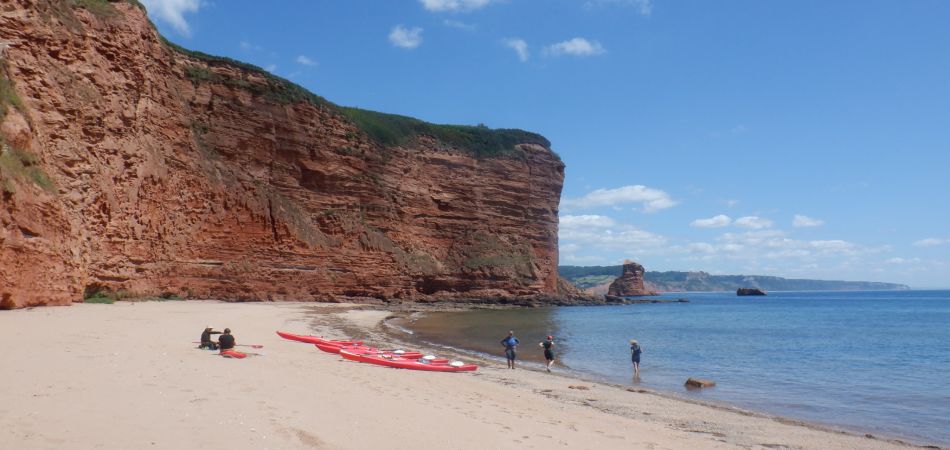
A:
{"points": [[630, 283], [749, 291]]}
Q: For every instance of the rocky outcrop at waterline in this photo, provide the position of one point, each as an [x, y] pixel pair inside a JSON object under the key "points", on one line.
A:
{"points": [[131, 165], [749, 291], [630, 283]]}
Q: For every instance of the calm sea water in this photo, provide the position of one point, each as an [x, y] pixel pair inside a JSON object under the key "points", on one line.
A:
{"points": [[872, 361]]}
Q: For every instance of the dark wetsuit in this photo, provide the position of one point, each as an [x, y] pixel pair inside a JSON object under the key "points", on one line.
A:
{"points": [[635, 353], [206, 341], [548, 353], [226, 341], [510, 343]]}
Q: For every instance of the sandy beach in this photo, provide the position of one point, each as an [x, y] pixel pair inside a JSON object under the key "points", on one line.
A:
{"points": [[128, 376]]}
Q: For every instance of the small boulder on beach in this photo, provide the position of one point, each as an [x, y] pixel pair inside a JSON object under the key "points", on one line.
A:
{"points": [[699, 383]]}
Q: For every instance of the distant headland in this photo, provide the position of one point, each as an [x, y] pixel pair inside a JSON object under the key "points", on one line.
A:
{"points": [[596, 279]]}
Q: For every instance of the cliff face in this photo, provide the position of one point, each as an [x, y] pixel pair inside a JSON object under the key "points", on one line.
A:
{"points": [[630, 283], [131, 166]]}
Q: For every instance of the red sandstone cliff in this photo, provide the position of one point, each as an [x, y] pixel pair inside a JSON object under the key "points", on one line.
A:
{"points": [[630, 283], [130, 166]]}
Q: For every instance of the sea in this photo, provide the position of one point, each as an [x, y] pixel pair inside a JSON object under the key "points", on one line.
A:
{"points": [[871, 362]]}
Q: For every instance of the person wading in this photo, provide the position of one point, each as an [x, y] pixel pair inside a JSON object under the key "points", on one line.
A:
{"points": [[511, 344], [635, 351], [548, 347]]}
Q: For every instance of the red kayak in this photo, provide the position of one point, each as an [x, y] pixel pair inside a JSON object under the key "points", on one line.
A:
{"points": [[407, 363], [315, 339], [233, 354], [362, 350]]}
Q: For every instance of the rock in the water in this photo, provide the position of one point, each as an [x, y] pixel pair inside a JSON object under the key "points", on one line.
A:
{"points": [[630, 283], [699, 383], [749, 291]]}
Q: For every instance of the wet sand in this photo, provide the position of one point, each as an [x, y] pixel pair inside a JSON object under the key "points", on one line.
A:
{"points": [[128, 376]]}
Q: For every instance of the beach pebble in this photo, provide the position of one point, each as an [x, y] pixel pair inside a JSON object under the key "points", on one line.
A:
{"points": [[579, 387], [699, 383]]}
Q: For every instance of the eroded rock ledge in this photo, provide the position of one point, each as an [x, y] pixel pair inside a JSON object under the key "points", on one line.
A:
{"points": [[130, 165]]}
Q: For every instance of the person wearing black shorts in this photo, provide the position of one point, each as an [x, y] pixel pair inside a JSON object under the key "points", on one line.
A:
{"points": [[511, 344], [548, 347]]}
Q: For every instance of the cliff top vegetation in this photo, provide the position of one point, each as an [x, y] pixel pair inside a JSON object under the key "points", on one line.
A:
{"points": [[386, 129]]}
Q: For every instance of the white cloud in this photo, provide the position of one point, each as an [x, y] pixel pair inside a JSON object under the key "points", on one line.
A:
{"points": [[271, 68], [245, 45], [589, 238], [583, 221], [404, 37], [625, 238], [519, 46], [931, 242], [458, 24], [644, 7], [753, 222], [805, 221], [833, 244], [899, 260], [575, 47], [701, 247], [305, 61], [173, 12], [652, 199], [454, 5], [719, 221]]}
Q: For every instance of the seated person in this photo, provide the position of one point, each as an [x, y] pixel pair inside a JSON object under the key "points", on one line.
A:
{"points": [[206, 341], [226, 341]]}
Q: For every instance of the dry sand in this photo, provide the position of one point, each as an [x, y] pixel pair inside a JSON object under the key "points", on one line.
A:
{"points": [[127, 376]]}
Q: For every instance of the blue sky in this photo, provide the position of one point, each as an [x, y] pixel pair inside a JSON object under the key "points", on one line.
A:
{"points": [[792, 138]]}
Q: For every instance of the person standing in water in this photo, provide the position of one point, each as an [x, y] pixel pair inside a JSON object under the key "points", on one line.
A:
{"points": [[635, 351], [548, 347], [511, 344]]}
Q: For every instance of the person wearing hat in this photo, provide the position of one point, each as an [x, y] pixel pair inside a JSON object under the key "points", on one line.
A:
{"points": [[548, 346], [635, 351], [206, 341]]}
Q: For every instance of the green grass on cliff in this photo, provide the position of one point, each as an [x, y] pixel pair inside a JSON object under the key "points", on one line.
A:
{"points": [[480, 141], [103, 8], [275, 88], [8, 96], [23, 165], [99, 298], [386, 129]]}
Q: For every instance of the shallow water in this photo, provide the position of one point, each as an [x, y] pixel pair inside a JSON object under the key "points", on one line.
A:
{"points": [[871, 361]]}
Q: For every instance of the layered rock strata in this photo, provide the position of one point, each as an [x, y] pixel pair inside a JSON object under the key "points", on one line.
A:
{"points": [[131, 166], [630, 283]]}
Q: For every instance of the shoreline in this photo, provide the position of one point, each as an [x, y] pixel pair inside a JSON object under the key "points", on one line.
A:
{"points": [[397, 333], [125, 375]]}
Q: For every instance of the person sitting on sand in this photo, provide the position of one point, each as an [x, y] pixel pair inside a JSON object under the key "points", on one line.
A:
{"points": [[226, 341], [548, 346], [635, 351], [511, 343], [206, 341]]}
